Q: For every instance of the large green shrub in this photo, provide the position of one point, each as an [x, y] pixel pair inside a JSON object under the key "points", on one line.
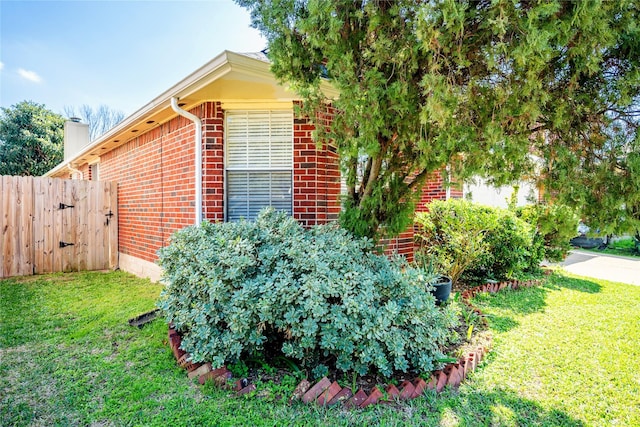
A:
{"points": [[476, 242], [513, 249], [555, 224], [452, 235], [319, 296]]}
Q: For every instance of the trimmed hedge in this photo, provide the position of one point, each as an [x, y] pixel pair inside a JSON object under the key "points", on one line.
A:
{"points": [[319, 296]]}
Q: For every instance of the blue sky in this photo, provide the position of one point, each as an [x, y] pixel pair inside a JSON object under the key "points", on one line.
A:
{"points": [[119, 53]]}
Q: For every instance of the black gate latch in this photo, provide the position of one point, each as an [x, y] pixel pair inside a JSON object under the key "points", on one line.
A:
{"points": [[109, 215], [63, 206], [65, 244]]}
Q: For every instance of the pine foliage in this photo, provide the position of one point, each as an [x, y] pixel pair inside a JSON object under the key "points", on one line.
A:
{"points": [[500, 89]]}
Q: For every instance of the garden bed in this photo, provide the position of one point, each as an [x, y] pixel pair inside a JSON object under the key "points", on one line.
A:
{"points": [[355, 391]]}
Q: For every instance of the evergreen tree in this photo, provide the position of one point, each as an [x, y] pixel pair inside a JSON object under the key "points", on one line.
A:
{"points": [[31, 139], [500, 89]]}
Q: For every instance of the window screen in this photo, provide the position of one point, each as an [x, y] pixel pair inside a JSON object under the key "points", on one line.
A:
{"points": [[259, 163]]}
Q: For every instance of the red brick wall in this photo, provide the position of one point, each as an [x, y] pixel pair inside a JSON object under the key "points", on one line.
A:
{"points": [[316, 177], [433, 189], [402, 244], [86, 172], [155, 176], [213, 162]]}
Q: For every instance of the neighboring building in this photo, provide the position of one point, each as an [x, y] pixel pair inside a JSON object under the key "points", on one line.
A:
{"points": [[485, 194], [255, 153]]}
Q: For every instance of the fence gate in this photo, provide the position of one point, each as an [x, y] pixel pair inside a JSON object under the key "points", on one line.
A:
{"points": [[50, 225]]}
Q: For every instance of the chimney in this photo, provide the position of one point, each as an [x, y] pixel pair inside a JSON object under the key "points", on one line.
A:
{"points": [[76, 137]]}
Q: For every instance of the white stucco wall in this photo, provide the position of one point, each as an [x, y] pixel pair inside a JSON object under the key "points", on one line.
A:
{"points": [[482, 193]]}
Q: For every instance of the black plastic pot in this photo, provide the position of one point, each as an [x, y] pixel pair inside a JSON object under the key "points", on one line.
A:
{"points": [[441, 289]]}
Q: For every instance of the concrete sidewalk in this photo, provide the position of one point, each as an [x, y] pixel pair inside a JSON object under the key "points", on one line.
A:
{"points": [[599, 266]]}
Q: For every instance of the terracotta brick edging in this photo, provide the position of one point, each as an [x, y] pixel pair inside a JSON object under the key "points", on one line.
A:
{"points": [[327, 393]]}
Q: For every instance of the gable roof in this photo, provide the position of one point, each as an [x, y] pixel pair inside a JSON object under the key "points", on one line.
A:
{"points": [[237, 80]]}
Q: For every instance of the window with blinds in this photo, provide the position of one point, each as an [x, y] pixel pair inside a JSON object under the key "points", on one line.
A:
{"points": [[259, 162]]}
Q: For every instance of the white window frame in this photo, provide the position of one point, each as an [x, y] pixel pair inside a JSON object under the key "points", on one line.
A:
{"points": [[229, 165]]}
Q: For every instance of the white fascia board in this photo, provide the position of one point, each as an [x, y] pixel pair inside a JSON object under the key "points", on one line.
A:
{"points": [[211, 71], [219, 66], [252, 66]]}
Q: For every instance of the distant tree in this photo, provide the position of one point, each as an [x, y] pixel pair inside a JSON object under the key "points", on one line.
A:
{"points": [[31, 139], [100, 120], [479, 85]]}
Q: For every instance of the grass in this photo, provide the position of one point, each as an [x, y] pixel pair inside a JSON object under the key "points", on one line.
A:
{"points": [[625, 247], [565, 354]]}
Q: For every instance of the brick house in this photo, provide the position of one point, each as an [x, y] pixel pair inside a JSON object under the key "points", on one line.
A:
{"points": [[248, 150]]}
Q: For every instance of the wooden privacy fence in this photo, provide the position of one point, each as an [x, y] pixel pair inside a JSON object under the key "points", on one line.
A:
{"points": [[50, 225]]}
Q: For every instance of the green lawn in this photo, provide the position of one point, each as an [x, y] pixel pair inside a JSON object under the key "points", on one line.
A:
{"points": [[564, 354], [623, 247]]}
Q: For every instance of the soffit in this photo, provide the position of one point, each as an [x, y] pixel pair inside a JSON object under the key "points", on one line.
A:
{"points": [[232, 78]]}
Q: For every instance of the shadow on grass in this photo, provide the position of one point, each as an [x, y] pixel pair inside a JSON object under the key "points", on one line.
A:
{"points": [[19, 301], [558, 281], [16, 414], [498, 407], [521, 301], [499, 306], [502, 323]]}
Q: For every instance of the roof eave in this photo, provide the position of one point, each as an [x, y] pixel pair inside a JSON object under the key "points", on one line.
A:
{"points": [[213, 70], [209, 72]]}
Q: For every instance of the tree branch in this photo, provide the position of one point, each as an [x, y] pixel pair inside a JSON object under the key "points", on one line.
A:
{"points": [[376, 165], [419, 179]]}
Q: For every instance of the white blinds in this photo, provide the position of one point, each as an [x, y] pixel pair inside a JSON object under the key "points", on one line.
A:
{"points": [[259, 150]]}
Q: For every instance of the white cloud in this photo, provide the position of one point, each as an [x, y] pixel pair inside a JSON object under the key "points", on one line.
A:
{"points": [[1, 65], [32, 76]]}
